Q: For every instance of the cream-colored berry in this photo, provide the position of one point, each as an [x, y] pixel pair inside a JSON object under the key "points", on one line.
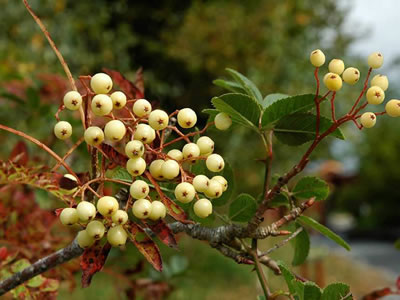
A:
{"points": [[170, 169], [94, 136], [206, 145], [141, 108], [214, 189], [136, 166], [118, 99], [101, 105], [141, 208], [139, 189], [71, 187], [215, 163], [155, 169], [69, 216], [117, 236], [381, 81], [368, 119], [158, 119], [84, 240], [134, 149], [115, 130], [86, 211], [375, 60], [375, 95], [333, 82], [144, 133], [107, 205], [187, 118], [351, 75], [185, 192], [202, 208], [222, 181], [201, 183], [95, 229], [63, 130], [190, 150], [120, 217], [101, 83], [222, 121], [72, 100], [336, 66], [158, 211], [393, 108], [175, 154], [317, 58]]}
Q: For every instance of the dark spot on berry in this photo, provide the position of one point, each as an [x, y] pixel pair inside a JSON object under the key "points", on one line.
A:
{"points": [[333, 76], [95, 139], [356, 72], [377, 94], [144, 190], [141, 148], [98, 105], [146, 109], [144, 139], [372, 117], [315, 52], [379, 54], [74, 102], [117, 104], [96, 236], [217, 193], [184, 194], [108, 87], [63, 132], [188, 123], [135, 153], [136, 172], [160, 121], [220, 167], [120, 220], [115, 138], [145, 213]]}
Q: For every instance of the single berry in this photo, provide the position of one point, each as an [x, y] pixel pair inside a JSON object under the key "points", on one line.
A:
{"points": [[107, 205], [158, 119], [185, 192], [368, 119], [114, 130], [144, 133], [215, 163], [95, 229], [141, 108], [117, 236], [63, 130], [94, 136], [86, 211], [101, 105], [120, 217], [375, 95], [136, 166], [201, 183], [101, 83], [336, 66], [139, 189], [393, 108], [134, 149], [381, 81], [333, 82], [187, 118], [222, 181], [69, 216], [375, 60], [118, 99], [223, 121], [155, 169], [214, 190], [190, 150], [70, 187], [175, 154], [170, 169], [202, 208], [158, 211], [72, 100], [141, 208], [206, 145], [317, 58], [84, 240], [351, 75]]}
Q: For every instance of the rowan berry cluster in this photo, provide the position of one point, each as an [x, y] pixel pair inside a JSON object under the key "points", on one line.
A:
{"points": [[145, 160]]}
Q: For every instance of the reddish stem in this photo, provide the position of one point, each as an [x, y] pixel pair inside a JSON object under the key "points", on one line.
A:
{"points": [[317, 102], [362, 92], [333, 107]]}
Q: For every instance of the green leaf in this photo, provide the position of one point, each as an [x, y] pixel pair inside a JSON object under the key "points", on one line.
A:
{"points": [[261, 297], [50, 285], [279, 200], [397, 244], [36, 281], [272, 98], [19, 265], [229, 85], [178, 264], [288, 276], [227, 173], [299, 128], [242, 208], [246, 84], [312, 291], [301, 245], [121, 174], [308, 187], [337, 291], [286, 106], [240, 107], [304, 220]]}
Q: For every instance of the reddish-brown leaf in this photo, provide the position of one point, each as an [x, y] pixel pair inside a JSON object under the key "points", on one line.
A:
{"points": [[58, 211], [174, 210], [114, 156], [398, 283], [139, 82], [3, 253], [145, 245], [128, 87], [92, 261], [19, 155], [163, 232], [378, 294]]}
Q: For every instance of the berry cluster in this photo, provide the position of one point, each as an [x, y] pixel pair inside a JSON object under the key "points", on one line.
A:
{"points": [[146, 159]]}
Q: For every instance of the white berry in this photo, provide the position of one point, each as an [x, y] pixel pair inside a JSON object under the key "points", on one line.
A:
{"points": [[375, 60], [120, 217], [222, 181], [200, 183], [202, 208], [114, 130], [158, 211], [317, 58], [84, 240], [351, 75], [215, 163], [94, 136], [144, 133], [223, 121], [101, 105], [72, 100], [141, 108], [136, 166], [107, 205], [101, 83], [214, 189], [141, 208], [333, 82], [155, 169], [336, 66], [117, 236], [187, 118], [119, 99], [86, 211], [184, 192], [139, 189], [170, 169], [381, 81], [206, 145], [375, 95], [63, 130], [95, 229], [134, 149], [158, 119], [175, 154], [393, 108], [368, 119], [69, 216], [190, 150]]}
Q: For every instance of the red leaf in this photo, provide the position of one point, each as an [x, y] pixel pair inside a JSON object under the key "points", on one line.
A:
{"points": [[58, 211], [19, 154], [163, 232], [398, 283], [378, 294], [3, 253], [145, 245], [128, 87], [139, 82], [114, 156], [92, 261], [174, 210]]}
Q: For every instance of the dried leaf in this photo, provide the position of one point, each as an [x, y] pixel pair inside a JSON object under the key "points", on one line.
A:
{"points": [[174, 210], [19, 155], [114, 156], [139, 82], [163, 232], [128, 87], [92, 261]]}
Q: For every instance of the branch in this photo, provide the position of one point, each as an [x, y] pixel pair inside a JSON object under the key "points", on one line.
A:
{"points": [[42, 265]]}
